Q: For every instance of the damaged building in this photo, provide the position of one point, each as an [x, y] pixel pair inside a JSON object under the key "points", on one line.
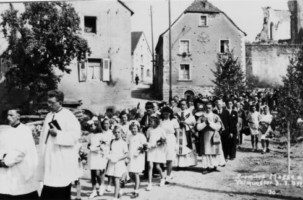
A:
{"points": [[279, 40]]}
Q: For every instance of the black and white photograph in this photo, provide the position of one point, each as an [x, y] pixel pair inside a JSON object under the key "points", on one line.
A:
{"points": [[151, 99]]}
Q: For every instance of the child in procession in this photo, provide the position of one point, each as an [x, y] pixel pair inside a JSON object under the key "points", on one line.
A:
{"points": [[136, 142], [116, 166], [108, 137], [157, 150], [98, 144]]}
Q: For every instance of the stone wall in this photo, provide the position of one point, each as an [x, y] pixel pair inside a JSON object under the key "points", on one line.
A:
{"points": [[269, 62]]}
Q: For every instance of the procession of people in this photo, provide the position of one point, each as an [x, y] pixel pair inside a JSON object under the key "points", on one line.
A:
{"points": [[126, 146]]}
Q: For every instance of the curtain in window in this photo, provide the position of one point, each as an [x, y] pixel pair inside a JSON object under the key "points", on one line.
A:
{"points": [[184, 46], [184, 72], [94, 71]]}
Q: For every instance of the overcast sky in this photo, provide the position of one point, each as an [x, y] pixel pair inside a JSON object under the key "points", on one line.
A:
{"points": [[247, 14]]}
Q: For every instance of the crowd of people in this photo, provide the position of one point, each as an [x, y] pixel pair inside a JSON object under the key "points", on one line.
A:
{"points": [[120, 147]]}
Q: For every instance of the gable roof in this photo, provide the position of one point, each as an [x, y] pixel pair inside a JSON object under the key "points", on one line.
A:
{"points": [[123, 4], [202, 6], [24, 1], [135, 39]]}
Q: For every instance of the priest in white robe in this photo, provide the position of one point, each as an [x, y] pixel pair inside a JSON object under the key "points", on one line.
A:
{"points": [[18, 160], [58, 166]]}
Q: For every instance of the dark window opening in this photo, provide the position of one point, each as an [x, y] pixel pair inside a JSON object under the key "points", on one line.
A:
{"points": [[90, 24]]}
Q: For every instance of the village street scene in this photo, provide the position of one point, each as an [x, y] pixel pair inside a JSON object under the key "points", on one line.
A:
{"points": [[151, 99]]}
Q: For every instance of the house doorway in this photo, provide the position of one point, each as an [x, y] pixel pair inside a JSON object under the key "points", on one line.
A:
{"points": [[189, 95]]}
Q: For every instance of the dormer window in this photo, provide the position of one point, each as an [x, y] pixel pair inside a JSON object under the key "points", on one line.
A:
{"points": [[203, 20]]}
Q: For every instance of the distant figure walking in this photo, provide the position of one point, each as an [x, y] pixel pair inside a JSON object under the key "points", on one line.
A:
{"points": [[137, 79]]}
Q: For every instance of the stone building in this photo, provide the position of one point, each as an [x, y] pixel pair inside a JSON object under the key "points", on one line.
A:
{"points": [[199, 34], [104, 79], [141, 58]]}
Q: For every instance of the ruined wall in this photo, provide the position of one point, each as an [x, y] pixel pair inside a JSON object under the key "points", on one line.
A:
{"points": [[269, 62], [276, 25]]}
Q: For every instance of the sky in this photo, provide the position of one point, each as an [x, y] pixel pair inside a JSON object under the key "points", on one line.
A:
{"points": [[247, 14]]}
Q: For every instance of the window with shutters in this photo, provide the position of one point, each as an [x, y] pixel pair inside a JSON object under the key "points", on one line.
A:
{"points": [[184, 47], [184, 72], [224, 46], [95, 70]]}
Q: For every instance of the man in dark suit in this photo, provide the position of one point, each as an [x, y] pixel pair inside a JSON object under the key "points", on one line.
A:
{"points": [[145, 121], [232, 138], [229, 118], [224, 132]]}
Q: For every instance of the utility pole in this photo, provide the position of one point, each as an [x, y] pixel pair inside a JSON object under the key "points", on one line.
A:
{"points": [[152, 40], [288, 147], [169, 47]]}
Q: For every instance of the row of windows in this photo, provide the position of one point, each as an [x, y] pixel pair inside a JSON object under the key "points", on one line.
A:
{"points": [[184, 46], [90, 23], [100, 70]]}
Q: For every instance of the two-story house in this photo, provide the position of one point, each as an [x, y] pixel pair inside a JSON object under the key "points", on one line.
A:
{"points": [[141, 58], [198, 35], [102, 80]]}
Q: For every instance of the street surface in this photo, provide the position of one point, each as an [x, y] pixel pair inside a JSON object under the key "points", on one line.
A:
{"points": [[191, 184]]}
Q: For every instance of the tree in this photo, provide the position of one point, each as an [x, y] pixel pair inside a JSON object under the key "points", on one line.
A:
{"points": [[43, 38], [229, 76], [290, 105]]}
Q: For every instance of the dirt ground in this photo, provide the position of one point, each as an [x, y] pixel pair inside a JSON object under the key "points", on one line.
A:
{"points": [[250, 176]]}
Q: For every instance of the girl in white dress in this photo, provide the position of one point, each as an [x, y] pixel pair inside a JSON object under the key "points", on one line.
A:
{"points": [[118, 153], [96, 161], [107, 137], [157, 150], [170, 126], [265, 123], [137, 157], [253, 124]]}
